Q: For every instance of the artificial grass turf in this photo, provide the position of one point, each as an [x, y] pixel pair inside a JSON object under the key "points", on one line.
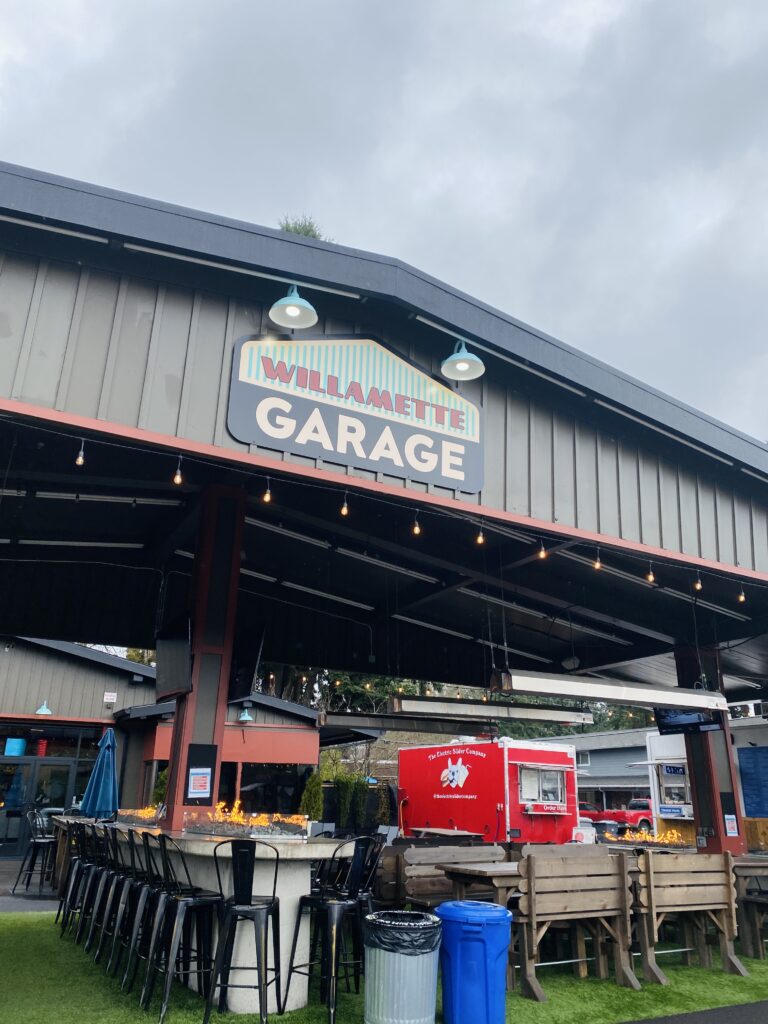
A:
{"points": [[47, 980]]}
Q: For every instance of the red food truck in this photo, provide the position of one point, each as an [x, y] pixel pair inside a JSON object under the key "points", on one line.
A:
{"points": [[499, 789]]}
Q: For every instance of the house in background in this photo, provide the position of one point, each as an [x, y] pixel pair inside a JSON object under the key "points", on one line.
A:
{"points": [[57, 698]]}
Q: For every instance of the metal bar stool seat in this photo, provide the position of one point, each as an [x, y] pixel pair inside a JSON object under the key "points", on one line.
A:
{"points": [[41, 847], [243, 905], [82, 864], [329, 907], [179, 906], [150, 896]]}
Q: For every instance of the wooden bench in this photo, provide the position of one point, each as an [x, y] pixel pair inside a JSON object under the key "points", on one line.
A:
{"points": [[582, 892], [697, 890], [410, 874], [752, 903]]}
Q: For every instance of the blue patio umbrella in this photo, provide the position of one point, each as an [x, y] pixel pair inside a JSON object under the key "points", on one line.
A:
{"points": [[100, 800]]}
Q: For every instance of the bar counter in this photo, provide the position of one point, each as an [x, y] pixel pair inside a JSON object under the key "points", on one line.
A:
{"points": [[293, 881]]}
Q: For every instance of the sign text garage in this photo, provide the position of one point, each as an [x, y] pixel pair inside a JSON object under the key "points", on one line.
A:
{"points": [[354, 402]]}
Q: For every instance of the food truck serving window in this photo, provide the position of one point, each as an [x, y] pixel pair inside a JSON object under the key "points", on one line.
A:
{"points": [[673, 784], [542, 786]]}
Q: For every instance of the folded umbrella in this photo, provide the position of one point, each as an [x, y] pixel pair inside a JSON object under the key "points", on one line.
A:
{"points": [[100, 800]]}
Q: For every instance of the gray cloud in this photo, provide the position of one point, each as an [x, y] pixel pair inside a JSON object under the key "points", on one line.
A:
{"points": [[597, 168]]}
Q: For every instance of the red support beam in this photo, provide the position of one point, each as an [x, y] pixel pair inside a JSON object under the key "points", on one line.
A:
{"points": [[198, 726], [711, 766]]}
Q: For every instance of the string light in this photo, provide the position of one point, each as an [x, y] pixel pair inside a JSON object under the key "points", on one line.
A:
{"points": [[178, 479], [338, 682], [742, 596], [399, 689], [698, 585], [303, 679], [458, 694], [267, 495], [345, 506], [597, 564], [650, 574], [480, 539], [80, 460], [416, 529], [485, 699], [543, 551]]}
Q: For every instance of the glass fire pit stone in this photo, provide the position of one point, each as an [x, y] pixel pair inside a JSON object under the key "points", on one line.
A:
{"points": [[236, 824], [147, 816]]}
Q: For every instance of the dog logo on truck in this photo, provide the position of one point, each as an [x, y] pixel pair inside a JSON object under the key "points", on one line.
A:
{"points": [[454, 775]]}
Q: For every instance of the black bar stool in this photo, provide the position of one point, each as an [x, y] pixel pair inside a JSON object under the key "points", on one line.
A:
{"points": [[41, 849], [242, 905], [130, 906], [150, 904], [94, 884], [120, 878], [329, 906], [82, 864], [171, 939]]}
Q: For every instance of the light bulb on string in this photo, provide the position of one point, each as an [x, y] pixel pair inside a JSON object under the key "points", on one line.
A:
{"points": [[416, 528], [267, 495], [597, 564], [178, 479], [345, 507], [338, 682], [742, 596], [650, 575], [697, 584], [480, 538], [80, 460], [367, 686], [543, 551]]}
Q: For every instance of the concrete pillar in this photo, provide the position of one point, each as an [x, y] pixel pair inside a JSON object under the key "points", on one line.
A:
{"points": [[198, 726], [711, 767]]}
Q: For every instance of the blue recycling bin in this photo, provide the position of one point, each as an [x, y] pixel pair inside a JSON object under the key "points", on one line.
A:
{"points": [[473, 961]]}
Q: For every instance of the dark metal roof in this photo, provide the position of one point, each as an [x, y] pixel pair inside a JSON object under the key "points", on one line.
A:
{"points": [[284, 707], [143, 711], [89, 654], [35, 195]]}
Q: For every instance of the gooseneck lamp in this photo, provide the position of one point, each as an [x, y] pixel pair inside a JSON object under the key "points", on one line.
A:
{"points": [[293, 311], [462, 365]]}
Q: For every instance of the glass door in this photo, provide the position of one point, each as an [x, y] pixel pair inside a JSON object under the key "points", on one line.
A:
{"points": [[52, 784], [15, 783]]}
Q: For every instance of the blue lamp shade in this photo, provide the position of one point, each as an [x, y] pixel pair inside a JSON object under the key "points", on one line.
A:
{"points": [[245, 716], [293, 311], [462, 365]]}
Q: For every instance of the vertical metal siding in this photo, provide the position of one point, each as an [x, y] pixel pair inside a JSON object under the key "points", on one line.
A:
{"points": [[73, 688], [158, 356]]}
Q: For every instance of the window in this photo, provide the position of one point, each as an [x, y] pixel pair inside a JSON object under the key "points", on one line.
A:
{"points": [[582, 758], [272, 788], [552, 787], [529, 785], [542, 786]]}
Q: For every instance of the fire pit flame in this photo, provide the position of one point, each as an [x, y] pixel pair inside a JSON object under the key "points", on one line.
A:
{"points": [[671, 837]]}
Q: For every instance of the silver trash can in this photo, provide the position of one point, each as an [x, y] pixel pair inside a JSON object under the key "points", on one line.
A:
{"points": [[402, 950]]}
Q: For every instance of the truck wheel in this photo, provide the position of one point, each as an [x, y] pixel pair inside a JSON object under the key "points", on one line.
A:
{"points": [[644, 824]]}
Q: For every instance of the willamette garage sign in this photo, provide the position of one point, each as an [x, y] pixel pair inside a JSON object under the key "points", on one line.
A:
{"points": [[352, 401]]}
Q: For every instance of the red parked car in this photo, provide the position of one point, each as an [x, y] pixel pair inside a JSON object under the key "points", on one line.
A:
{"points": [[638, 814]]}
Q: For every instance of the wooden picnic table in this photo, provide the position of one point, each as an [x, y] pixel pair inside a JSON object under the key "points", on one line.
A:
{"points": [[502, 876], [504, 879]]}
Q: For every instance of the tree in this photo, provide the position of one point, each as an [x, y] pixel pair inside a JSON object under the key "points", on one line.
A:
{"points": [[312, 798], [303, 225], [141, 655]]}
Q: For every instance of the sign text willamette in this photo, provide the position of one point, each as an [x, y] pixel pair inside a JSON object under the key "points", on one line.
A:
{"points": [[354, 402]]}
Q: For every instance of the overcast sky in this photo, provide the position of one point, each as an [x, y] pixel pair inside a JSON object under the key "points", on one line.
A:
{"points": [[597, 168]]}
